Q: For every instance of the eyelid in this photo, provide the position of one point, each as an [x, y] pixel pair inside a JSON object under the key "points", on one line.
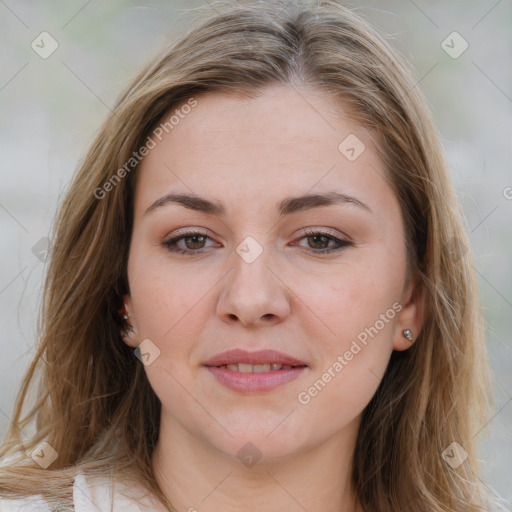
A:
{"points": [[182, 233], [327, 231], [340, 242], [189, 232]]}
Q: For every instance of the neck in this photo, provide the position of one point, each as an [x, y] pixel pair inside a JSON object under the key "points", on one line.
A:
{"points": [[195, 476]]}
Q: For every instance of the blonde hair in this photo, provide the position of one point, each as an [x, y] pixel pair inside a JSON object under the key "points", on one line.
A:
{"points": [[94, 404]]}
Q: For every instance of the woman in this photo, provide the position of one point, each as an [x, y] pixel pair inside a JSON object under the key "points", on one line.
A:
{"points": [[259, 294]]}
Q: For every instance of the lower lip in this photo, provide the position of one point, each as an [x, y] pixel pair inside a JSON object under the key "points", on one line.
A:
{"points": [[254, 382]]}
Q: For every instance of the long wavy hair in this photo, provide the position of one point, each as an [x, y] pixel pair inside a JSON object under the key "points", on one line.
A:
{"points": [[92, 401]]}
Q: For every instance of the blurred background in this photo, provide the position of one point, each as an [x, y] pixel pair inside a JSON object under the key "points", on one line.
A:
{"points": [[65, 63]]}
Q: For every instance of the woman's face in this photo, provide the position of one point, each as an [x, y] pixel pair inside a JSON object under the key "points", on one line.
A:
{"points": [[275, 262]]}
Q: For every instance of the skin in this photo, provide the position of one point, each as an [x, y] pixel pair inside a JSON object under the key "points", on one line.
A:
{"points": [[249, 154]]}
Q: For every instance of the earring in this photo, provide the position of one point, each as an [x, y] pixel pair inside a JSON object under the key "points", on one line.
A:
{"points": [[407, 334], [123, 313]]}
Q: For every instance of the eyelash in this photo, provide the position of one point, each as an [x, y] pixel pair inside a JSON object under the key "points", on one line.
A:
{"points": [[307, 234]]}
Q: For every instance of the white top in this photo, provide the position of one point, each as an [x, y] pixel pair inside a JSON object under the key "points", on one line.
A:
{"points": [[93, 494]]}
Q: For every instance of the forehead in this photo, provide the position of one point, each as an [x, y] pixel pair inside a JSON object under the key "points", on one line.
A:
{"points": [[286, 137], [306, 119]]}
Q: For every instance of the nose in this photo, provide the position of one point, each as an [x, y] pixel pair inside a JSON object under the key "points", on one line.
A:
{"points": [[253, 293]]}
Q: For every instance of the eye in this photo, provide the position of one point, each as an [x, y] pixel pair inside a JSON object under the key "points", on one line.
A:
{"points": [[318, 241], [194, 241]]}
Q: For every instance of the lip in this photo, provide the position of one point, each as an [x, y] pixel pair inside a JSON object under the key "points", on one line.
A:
{"points": [[259, 357], [254, 382]]}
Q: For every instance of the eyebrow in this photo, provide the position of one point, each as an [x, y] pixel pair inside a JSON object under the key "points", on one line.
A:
{"points": [[287, 206]]}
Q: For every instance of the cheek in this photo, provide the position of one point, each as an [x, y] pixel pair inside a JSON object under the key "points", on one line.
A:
{"points": [[169, 313], [354, 299], [352, 364], [162, 295], [337, 398], [360, 307], [166, 308], [172, 308]]}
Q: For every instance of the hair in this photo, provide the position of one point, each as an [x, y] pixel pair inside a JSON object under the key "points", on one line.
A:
{"points": [[93, 402]]}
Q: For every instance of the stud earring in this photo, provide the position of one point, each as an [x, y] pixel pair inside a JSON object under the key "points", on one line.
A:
{"points": [[123, 313], [407, 334]]}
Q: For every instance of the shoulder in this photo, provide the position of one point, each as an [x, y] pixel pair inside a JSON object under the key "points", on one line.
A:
{"points": [[90, 494]]}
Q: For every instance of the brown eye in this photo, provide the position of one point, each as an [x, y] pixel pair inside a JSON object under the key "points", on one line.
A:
{"points": [[197, 241], [191, 242], [318, 241]]}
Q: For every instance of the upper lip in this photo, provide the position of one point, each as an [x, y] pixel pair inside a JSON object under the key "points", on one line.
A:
{"points": [[258, 357]]}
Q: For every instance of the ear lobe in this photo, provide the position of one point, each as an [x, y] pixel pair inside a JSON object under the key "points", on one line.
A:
{"points": [[127, 302], [128, 333], [411, 317]]}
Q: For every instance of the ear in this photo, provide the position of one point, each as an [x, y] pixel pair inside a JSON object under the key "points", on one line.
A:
{"points": [[131, 339], [411, 315]]}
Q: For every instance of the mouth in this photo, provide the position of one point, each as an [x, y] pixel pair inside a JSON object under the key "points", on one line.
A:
{"points": [[257, 368], [254, 372]]}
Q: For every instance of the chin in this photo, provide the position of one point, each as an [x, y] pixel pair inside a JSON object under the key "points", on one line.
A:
{"points": [[259, 441]]}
